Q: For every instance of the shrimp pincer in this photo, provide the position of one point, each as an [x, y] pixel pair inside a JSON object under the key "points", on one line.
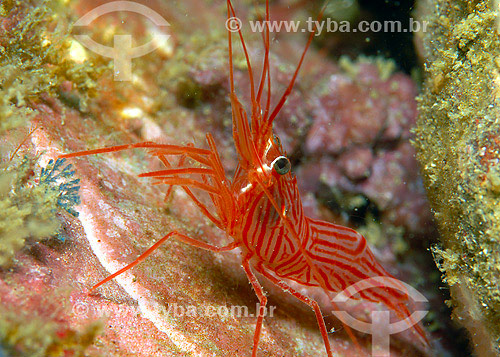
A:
{"points": [[261, 210]]}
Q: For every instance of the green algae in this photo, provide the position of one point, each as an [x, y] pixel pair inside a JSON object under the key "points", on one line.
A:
{"points": [[385, 66], [27, 334], [200, 51], [35, 61], [457, 143], [29, 203]]}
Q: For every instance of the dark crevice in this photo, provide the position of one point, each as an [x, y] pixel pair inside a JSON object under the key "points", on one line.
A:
{"points": [[356, 206], [397, 45]]}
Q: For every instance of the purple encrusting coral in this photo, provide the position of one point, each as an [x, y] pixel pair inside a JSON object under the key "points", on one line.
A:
{"points": [[358, 145], [362, 108]]}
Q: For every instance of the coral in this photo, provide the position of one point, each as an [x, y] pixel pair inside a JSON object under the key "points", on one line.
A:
{"points": [[359, 145], [55, 177], [388, 102], [457, 138]]}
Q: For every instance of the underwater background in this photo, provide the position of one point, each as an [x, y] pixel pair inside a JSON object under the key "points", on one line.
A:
{"points": [[393, 134]]}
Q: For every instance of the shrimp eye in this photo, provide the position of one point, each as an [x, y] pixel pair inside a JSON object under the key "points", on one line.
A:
{"points": [[281, 165]]}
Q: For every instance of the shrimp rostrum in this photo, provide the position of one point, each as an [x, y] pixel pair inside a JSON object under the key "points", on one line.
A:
{"points": [[260, 207]]}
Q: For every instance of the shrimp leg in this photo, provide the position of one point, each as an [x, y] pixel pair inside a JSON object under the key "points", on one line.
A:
{"points": [[191, 195], [262, 300], [312, 303], [206, 157], [165, 149], [212, 171], [183, 238]]}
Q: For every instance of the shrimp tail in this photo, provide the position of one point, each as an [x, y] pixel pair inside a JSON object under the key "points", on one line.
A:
{"points": [[344, 263]]}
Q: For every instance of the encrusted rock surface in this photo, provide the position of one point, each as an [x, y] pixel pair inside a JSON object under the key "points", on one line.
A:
{"points": [[457, 138]]}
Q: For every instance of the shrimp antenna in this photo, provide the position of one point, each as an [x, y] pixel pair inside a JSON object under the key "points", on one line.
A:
{"points": [[266, 46], [231, 11], [247, 148], [269, 120], [255, 99], [265, 39]]}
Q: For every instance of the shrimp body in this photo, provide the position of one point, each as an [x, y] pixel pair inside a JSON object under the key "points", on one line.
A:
{"points": [[261, 209], [283, 242]]}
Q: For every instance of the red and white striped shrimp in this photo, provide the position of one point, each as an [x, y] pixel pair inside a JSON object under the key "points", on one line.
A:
{"points": [[260, 207]]}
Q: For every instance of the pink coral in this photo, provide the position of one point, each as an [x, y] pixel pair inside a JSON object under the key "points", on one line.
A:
{"points": [[361, 128]]}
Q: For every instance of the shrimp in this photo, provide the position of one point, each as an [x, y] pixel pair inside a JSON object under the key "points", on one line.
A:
{"points": [[260, 207]]}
